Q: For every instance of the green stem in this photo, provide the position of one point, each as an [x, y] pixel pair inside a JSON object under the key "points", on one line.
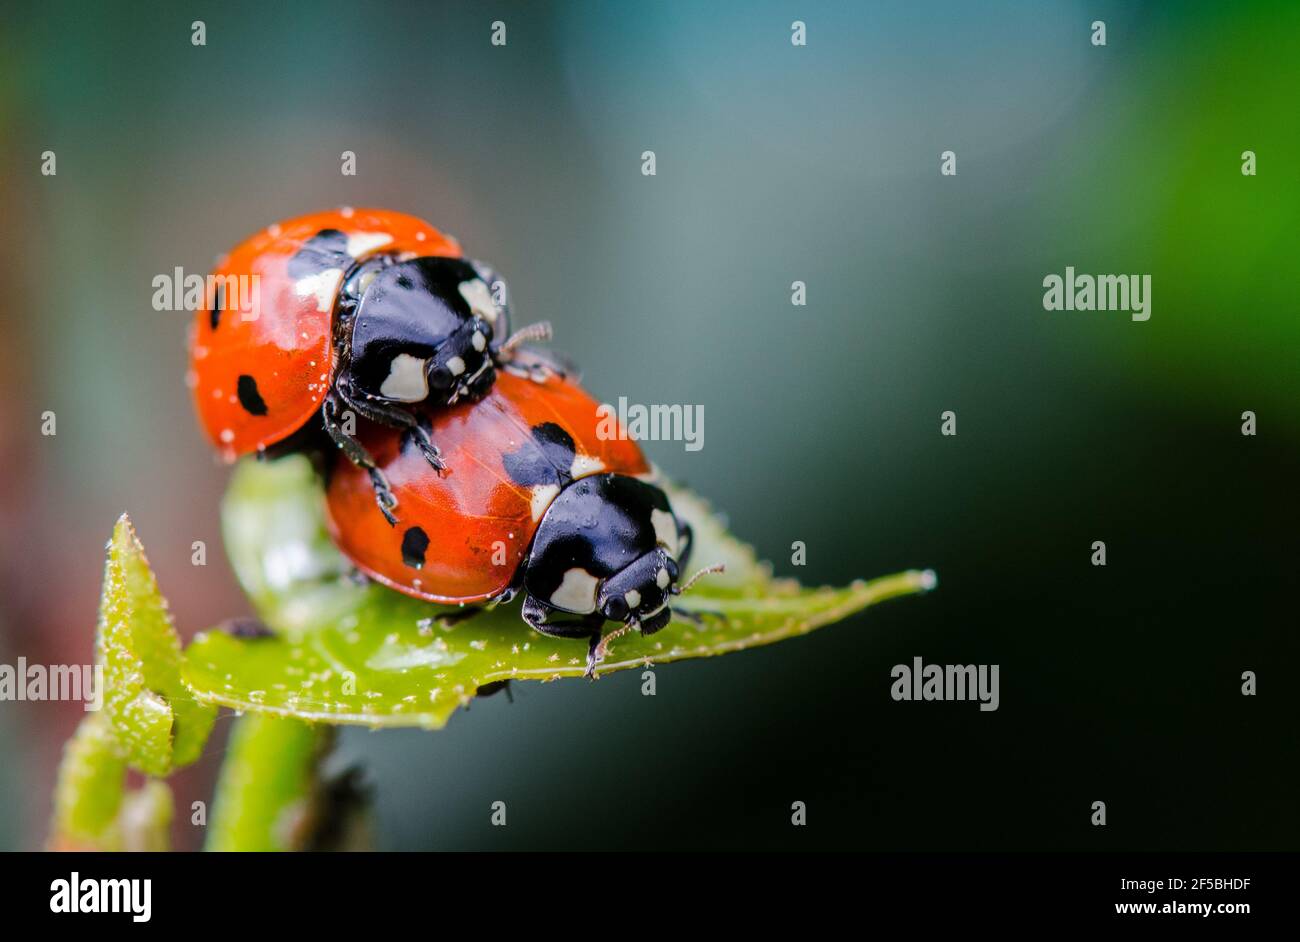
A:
{"points": [[92, 808], [146, 817], [268, 789], [88, 796]]}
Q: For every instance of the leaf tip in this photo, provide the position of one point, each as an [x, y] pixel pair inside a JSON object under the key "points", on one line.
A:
{"points": [[123, 528], [125, 542]]}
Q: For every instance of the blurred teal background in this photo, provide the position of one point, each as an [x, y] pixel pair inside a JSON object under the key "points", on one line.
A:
{"points": [[774, 164]]}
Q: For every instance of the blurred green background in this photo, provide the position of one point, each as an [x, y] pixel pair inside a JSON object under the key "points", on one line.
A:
{"points": [[775, 164]]}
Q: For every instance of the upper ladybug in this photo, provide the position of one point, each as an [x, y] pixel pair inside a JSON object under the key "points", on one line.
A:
{"points": [[352, 312]]}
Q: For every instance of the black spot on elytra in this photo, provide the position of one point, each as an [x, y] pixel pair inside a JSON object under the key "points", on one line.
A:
{"points": [[249, 397], [219, 302], [547, 459], [325, 250], [414, 543]]}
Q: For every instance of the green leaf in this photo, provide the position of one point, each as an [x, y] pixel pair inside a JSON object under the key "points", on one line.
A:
{"points": [[158, 724], [351, 653]]}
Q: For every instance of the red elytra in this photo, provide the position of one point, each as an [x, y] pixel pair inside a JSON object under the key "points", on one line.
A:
{"points": [[260, 373], [462, 534]]}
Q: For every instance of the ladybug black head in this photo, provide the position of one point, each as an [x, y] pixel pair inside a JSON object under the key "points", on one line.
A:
{"points": [[422, 329], [608, 544], [462, 367], [638, 595]]}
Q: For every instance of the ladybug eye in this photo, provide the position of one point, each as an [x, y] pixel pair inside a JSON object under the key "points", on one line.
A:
{"points": [[616, 609], [444, 375], [439, 378]]}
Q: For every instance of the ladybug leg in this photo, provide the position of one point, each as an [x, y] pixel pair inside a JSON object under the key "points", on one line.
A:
{"points": [[685, 543], [535, 612], [537, 365], [358, 455], [451, 619], [508, 594], [382, 413], [697, 616], [383, 495], [530, 362], [246, 628], [495, 686], [694, 615]]}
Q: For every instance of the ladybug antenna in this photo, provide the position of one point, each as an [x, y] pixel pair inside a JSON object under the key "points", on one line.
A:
{"points": [[539, 331], [602, 648], [707, 570]]}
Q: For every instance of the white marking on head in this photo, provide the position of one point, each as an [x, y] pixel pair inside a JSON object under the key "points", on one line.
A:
{"points": [[406, 381], [662, 579], [648, 615], [455, 366], [362, 242], [632, 597], [479, 341], [584, 465], [543, 494], [346, 212], [479, 298], [665, 530], [324, 286], [577, 592]]}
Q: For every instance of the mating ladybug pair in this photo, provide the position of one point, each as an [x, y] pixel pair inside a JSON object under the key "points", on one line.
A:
{"points": [[482, 454]]}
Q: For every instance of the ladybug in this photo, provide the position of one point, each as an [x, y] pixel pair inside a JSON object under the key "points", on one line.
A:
{"points": [[346, 313], [536, 499]]}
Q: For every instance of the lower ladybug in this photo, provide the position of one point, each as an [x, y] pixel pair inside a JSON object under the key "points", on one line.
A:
{"points": [[536, 500], [343, 314]]}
